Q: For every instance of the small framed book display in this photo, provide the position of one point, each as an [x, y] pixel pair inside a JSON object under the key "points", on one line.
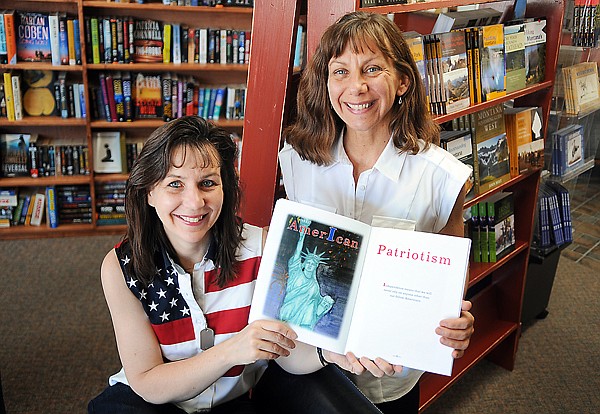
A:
{"points": [[346, 286], [109, 152]]}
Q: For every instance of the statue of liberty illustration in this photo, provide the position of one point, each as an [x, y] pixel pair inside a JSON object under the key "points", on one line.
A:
{"points": [[303, 304]]}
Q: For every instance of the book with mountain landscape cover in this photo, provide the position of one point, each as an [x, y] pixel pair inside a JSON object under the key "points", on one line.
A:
{"points": [[454, 71], [341, 284], [491, 166], [535, 51]]}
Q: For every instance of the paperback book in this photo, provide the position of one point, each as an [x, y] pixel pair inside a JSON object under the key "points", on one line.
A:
{"points": [[341, 284], [490, 149]]}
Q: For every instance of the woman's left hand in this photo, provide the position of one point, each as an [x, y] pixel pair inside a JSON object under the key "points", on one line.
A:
{"points": [[456, 332], [377, 367]]}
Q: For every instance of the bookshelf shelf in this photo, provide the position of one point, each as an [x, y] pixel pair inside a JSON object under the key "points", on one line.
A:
{"points": [[80, 131], [41, 66], [164, 67], [155, 123], [496, 289], [31, 121]]}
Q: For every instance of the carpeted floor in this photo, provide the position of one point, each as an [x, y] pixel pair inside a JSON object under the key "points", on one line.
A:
{"points": [[58, 347]]}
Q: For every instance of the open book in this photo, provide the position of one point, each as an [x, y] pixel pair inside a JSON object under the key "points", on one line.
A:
{"points": [[345, 286]]}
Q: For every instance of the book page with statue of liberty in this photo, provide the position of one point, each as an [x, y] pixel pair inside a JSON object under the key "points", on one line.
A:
{"points": [[345, 286]]}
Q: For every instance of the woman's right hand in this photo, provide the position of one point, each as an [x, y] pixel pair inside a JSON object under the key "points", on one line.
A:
{"points": [[262, 339]]}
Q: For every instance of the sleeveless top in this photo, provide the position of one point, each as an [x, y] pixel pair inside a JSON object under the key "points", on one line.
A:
{"points": [[177, 318]]}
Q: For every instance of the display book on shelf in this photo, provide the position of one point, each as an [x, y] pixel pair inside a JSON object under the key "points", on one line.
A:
{"points": [[553, 221], [44, 148], [472, 60]]}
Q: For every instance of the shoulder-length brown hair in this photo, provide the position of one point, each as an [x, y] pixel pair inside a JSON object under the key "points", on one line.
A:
{"points": [[144, 228], [317, 126]]}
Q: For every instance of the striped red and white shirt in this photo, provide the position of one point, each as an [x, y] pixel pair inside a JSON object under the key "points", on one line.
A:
{"points": [[180, 306]]}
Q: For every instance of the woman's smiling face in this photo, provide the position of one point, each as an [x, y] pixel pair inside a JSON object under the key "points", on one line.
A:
{"points": [[189, 199], [363, 87]]}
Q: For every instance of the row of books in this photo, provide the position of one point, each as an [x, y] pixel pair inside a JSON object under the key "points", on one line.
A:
{"points": [[40, 93], [553, 222], [27, 155], [585, 27], [126, 39], [497, 143], [110, 203], [209, 3], [468, 65], [167, 96], [492, 227], [581, 88], [53, 205], [39, 37]]}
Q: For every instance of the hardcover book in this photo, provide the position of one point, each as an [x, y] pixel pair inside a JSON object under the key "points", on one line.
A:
{"points": [[341, 284], [33, 37], [491, 166]]}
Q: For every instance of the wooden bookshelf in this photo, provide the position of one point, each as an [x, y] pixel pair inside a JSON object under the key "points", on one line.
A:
{"points": [[496, 289], [81, 130]]}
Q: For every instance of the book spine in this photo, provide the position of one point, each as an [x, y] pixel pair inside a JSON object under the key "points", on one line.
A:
{"points": [[475, 233], [167, 103], [38, 209], [120, 40], [51, 215], [127, 98], [17, 98], [219, 95], [71, 42], [3, 52], [8, 95], [95, 40], [119, 98], [176, 35], [104, 96], [11, 37], [54, 38], [110, 91], [483, 232], [77, 41], [491, 231], [167, 43], [63, 39]]}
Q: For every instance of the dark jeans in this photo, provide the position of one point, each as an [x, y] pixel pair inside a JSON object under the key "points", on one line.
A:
{"points": [[408, 404], [121, 399]]}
